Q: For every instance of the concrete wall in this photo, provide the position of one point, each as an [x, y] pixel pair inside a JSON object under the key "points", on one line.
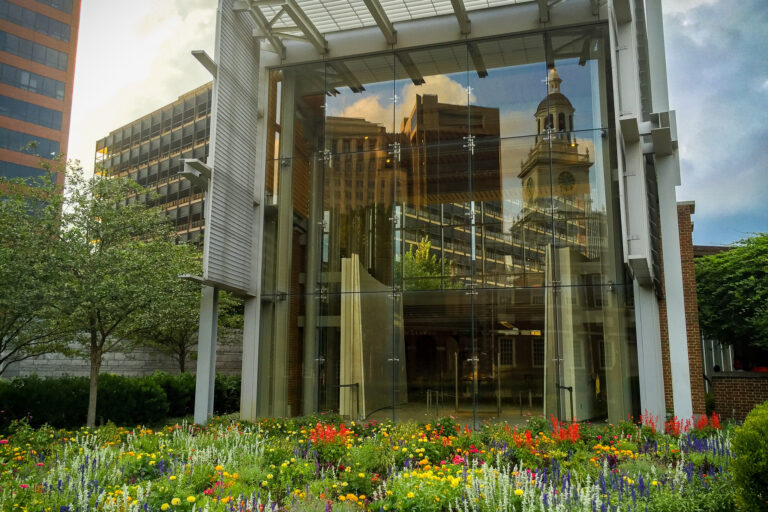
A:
{"points": [[136, 362]]}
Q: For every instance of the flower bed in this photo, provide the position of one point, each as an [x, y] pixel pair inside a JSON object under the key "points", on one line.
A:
{"points": [[321, 464]]}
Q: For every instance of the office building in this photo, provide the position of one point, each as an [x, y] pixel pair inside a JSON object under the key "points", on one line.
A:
{"points": [[38, 42], [150, 151]]}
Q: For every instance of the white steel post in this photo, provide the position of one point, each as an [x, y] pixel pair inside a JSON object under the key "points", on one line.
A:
{"points": [[206, 354]]}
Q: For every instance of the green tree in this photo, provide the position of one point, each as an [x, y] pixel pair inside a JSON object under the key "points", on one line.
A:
{"points": [[732, 289], [171, 327], [423, 271], [118, 259], [29, 227]]}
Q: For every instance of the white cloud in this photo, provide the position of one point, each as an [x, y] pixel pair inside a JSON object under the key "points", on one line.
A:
{"points": [[683, 6], [379, 110], [134, 57]]}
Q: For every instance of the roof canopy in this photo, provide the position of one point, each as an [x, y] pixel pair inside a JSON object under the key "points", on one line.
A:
{"points": [[311, 20]]}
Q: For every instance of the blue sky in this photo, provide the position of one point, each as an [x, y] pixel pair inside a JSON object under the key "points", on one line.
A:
{"points": [[717, 62]]}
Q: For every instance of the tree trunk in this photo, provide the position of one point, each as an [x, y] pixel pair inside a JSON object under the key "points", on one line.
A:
{"points": [[182, 359], [94, 384]]}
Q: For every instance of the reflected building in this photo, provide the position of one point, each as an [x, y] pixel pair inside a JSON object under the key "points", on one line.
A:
{"points": [[444, 225]]}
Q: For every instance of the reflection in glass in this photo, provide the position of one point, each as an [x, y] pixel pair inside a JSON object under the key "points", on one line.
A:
{"points": [[444, 235]]}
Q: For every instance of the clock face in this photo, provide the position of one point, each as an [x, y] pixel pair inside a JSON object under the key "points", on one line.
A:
{"points": [[529, 189], [565, 182]]}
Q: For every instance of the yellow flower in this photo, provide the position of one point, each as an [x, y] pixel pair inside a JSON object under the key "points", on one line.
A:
{"points": [[269, 476], [165, 506], [654, 483], [361, 475], [191, 499], [175, 501], [219, 467], [518, 492], [172, 477], [410, 495]]}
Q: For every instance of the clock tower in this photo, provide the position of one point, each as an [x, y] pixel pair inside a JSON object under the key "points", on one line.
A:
{"points": [[555, 175]]}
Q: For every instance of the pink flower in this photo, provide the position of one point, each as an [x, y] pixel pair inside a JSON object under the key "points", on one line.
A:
{"points": [[457, 460], [24, 486], [3, 441], [40, 464]]}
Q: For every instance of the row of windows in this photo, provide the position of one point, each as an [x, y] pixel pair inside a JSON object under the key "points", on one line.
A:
{"points": [[10, 170], [32, 82], [33, 51], [62, 5], [29, 112], [25, 143], [34, 20], [160, 123]]}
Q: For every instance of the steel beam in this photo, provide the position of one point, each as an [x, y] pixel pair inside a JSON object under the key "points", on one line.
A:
{"points": [[382, 20], [306, 26], [262, 24], [461, 16]]}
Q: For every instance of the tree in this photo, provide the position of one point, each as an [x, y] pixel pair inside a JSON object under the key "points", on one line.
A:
{"points": [[29, 225], [171, 327], [732, 289], [423, 271], [118, 258]]}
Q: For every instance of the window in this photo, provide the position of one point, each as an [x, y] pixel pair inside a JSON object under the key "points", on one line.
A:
{"points": [[29, 112], [537, 349], [561, 122], [10, 170], [33, 51], [62, 5], [24, 143], [32, 82], [34, 20], [507, 351]]}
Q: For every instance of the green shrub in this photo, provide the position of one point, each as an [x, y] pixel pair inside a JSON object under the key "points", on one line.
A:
{"points": [[180, 390], [62, 402], [750, 467], [709, 403], [226, 394]]}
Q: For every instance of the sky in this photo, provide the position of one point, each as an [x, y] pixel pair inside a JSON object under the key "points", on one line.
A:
{"points": [[134, 57]]}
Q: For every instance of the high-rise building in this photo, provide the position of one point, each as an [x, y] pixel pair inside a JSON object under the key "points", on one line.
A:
{"points": [[150, 150], [38, 42]]}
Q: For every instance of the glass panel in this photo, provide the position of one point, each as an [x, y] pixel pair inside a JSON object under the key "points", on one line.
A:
{"points": [[512, 221], [595, 326], [510, 330], [432, 96], [360, 104], [355, 329], [580, 87], [433, 238], [437, 362], [507, 82]]}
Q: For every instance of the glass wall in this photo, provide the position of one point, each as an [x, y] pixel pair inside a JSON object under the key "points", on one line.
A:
{"points": [[443, 235]]}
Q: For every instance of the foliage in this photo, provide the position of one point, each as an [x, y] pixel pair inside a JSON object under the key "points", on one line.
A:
{"points": [[63, 401], [29, 224], [280, 464], [732, 289], [750, 469], [117, 258], [423, 271]]}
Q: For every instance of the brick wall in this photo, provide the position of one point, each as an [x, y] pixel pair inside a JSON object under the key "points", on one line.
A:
{"points": [[695, 355], [736, 393]]}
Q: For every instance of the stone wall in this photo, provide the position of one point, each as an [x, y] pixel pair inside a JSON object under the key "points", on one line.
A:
{"points": [[736, 393], [136, 362]]}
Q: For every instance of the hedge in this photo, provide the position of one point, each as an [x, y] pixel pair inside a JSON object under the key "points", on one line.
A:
{"points": [[63, 401]]}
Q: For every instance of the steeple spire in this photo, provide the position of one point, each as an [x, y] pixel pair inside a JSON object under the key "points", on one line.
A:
{"points": [[554, 81]]}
